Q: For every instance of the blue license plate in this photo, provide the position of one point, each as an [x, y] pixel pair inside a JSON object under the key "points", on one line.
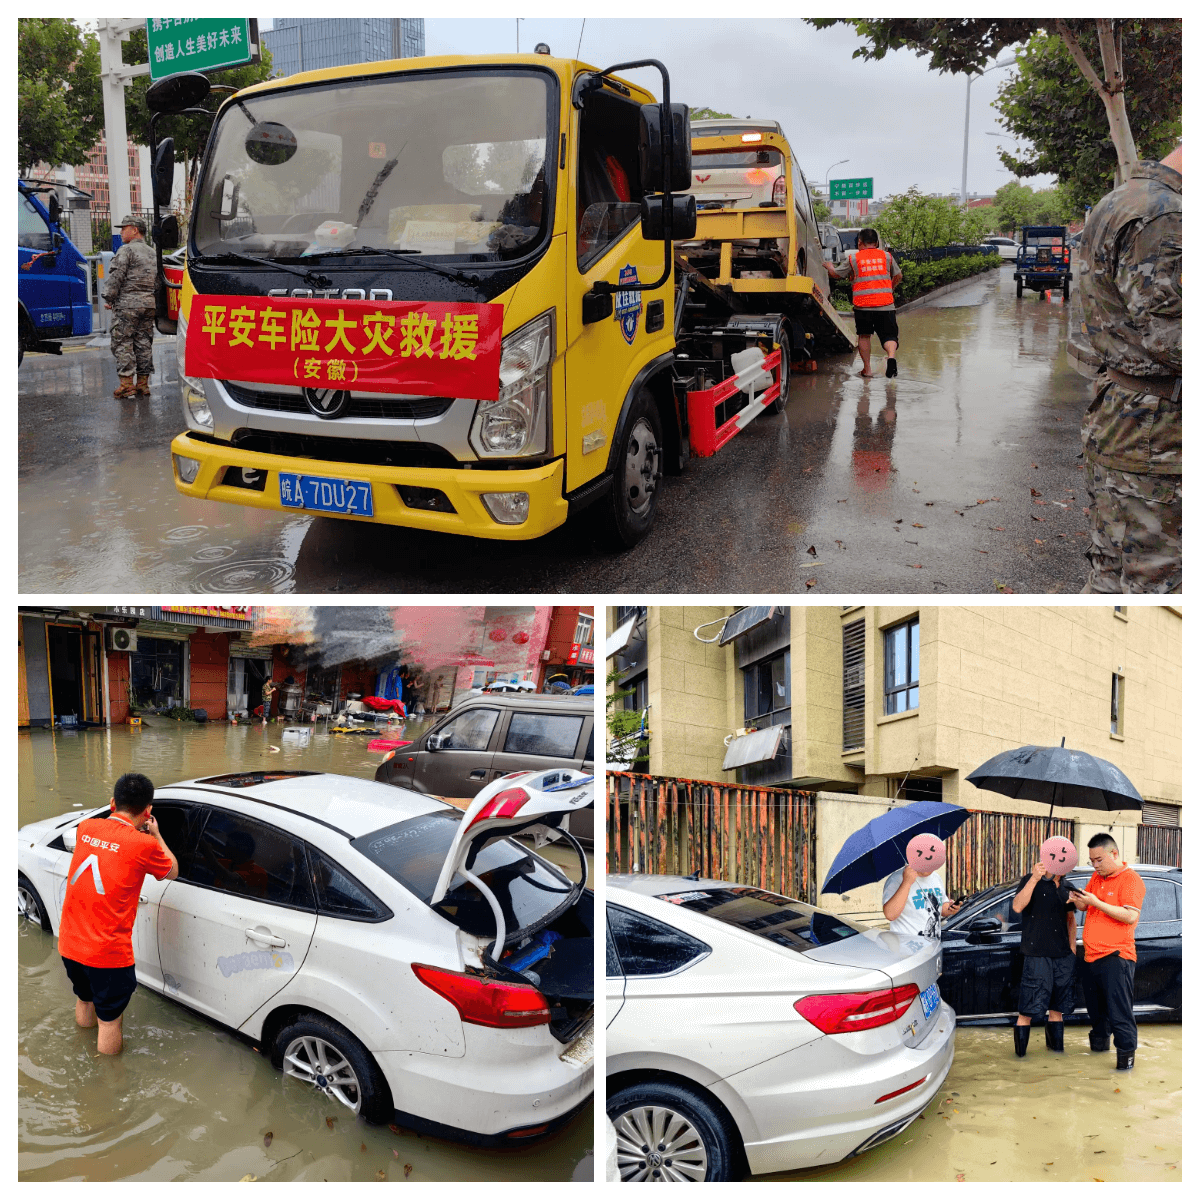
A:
{"points": [[349, 496], [930, 1000]]}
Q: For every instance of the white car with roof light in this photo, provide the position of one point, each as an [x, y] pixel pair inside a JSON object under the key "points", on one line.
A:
{"points": [[747, 1030], [411, 961]]}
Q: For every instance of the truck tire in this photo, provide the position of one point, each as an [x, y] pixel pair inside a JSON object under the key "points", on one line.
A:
{"points": [[625, 515], [785, 374], [1020, 287], [24, 335], [1066, 289]]}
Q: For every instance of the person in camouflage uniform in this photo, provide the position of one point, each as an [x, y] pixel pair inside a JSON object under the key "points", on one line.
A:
{"points": [[130, 294], [1131, 295]]}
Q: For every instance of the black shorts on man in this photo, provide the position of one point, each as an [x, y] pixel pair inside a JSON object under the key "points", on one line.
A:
{"points": [[109, 989], [1047, 985], [875, 320]]}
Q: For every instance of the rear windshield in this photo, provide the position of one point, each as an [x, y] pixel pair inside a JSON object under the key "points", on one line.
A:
{"points": [[1055, 243], [704, 159], [780, 920], [528, 888]]}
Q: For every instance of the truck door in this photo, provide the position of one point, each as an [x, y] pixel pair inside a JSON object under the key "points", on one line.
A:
{"points": [[39, 285], [605, 243]]}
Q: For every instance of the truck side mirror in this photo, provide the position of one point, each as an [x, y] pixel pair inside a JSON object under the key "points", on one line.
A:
{"points": [[166, 236], [54, 207], [650, 139], [164, 171], [683, 218]]}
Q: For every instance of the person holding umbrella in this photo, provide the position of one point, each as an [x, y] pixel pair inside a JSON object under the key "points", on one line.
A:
{"points": [[914, 901], [1114, 894], [1048, 944]]}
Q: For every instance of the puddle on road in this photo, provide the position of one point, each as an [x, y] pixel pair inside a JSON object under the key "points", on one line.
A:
{"points": [[1046, 1117], [188, 1100]]}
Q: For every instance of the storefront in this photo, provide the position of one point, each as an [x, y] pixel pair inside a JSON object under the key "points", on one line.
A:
{"points": [[569, 657], [59, 671]]}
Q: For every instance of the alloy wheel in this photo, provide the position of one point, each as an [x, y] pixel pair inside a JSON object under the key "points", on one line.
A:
{"points": [[316, 1061], [27, 905], [659, 1145], [642, 466]]}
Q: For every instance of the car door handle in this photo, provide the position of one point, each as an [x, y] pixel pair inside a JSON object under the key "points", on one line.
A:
{"points": [[266, 937], [480, 774]]}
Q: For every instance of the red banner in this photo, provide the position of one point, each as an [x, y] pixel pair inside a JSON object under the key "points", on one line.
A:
{"points": [[357, 345], [581, 654]]}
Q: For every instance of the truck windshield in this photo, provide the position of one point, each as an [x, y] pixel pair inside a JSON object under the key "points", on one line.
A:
{"points": [[443, 164]]}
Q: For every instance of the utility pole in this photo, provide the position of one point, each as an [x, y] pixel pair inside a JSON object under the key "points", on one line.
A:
{"points": [[1008, 62], [114, 76]]}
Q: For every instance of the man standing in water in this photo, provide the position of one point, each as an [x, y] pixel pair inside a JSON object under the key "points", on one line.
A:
{"points": [[1048, 944], [95, 937], [914, 901], [873, 276]]}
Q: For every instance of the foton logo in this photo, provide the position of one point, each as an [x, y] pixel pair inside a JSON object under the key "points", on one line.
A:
{"points": [[703, 178], [333, 293]]}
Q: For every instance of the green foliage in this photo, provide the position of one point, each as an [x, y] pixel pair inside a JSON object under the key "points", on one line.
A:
{"points": [[821, 210], [179, 713], [1052, 107], [913, 221], [1014, 206], [190, 133], [627, 741], [710, 114], [60, 111]]}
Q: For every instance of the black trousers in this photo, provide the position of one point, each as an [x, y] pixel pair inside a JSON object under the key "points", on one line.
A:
{"points": [[1108, 994]]}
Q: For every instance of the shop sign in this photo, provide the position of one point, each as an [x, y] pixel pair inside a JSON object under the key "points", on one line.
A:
{"points": [[230, 612], [582, 655]]}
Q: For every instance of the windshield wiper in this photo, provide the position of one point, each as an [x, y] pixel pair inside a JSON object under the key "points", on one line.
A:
{"points": [[403, 255], [311, 277]]}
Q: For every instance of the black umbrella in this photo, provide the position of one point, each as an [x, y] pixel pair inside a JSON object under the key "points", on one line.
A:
{"points": [[1055, 775]]}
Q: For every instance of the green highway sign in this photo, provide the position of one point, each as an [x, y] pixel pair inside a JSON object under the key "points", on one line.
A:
{"points": [[199, 44], [852, 189]]}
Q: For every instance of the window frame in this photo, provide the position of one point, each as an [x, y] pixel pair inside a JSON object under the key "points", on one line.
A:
{"points": [[465, 711], [518, 713], [700, 955], [589, 630], [891, 688]]}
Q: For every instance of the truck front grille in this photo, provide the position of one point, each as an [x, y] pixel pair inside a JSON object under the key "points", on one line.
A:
{"points": [[344, 450], [386, 408]]}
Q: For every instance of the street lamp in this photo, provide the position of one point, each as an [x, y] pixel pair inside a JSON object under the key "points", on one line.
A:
{"points": [[827, 198], [1008, 62]]}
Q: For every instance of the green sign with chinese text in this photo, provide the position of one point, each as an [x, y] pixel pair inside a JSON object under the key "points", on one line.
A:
{"points": [[197, 44], [852, 189]]}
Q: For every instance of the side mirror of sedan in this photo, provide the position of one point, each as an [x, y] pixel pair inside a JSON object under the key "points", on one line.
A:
{"points": [[985, 925], [434, 741]]}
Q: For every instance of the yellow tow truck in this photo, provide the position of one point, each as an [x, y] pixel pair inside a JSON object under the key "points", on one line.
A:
{"points": [[470, 295]]}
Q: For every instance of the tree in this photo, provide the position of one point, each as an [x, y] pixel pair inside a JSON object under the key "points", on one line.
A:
{"points": [[628, 737], [965, 45], [1050, 106], [821, 211], [710, 114], [60, 112], [1014, 205], [914, 221]]}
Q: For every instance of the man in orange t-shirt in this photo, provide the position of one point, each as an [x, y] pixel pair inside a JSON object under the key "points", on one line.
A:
{"points": [[1113, 899], [95, 935]]}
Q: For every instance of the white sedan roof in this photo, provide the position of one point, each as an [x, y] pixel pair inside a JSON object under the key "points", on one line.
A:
{"points": [[356, 806]]}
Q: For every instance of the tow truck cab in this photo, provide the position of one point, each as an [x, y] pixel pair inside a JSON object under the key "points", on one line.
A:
{"points": [[1044, 260], [52, 294]]}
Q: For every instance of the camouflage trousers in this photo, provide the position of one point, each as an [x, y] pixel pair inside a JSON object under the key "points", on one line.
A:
{"points": [[1137, 532], [133, 342]]}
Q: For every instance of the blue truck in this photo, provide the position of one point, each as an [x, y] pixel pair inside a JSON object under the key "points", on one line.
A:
{"points": [[1044, 260], [52, 276]]}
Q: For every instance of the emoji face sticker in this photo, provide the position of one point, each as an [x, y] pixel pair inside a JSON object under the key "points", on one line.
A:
{"points": [[1058, 856], [926, 853]]}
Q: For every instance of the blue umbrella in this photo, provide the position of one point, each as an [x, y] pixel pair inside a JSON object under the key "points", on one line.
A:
{"points": [[878, 848]]}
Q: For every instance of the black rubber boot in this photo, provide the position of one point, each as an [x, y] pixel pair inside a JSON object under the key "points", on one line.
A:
{"points": [[1021, 1039], [891, 368], [1125, 1060], [1054, 1037], [1099, 1044]]}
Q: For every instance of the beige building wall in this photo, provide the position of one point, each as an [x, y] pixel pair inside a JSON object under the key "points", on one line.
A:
{"points": [[992, 677]]}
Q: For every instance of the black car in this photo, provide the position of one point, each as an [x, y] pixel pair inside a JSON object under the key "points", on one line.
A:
{"points": [[981, 952]]}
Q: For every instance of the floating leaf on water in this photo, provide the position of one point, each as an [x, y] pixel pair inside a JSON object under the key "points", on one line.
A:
{"points": [[961, 1178], [396, 1130], [363, 1147], [1034, 492], [917, 525], [1117, 1090], [267, 1139], [407, 1170], [917, 566], [928, 503], [808, 583], [248, 1179], [812, 550], [997, 528], [329, 1121], [395, 1153], [380, 1175]]}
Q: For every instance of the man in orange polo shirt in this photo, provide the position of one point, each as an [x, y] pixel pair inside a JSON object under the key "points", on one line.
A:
{"points": [[1113, 899], [95, 935]]}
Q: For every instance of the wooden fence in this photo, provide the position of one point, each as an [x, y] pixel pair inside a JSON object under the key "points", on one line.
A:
{"points": [[1162, 844], [764, 837], [992, 848]]}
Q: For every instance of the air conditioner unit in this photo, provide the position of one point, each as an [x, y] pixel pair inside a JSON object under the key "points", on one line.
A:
{"points": [[121, 639]]}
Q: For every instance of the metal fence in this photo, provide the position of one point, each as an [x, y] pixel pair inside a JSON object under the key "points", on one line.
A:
{"points": [[102, 229], [938, 252], [764, 837], [1161, 844], [991, 848]]}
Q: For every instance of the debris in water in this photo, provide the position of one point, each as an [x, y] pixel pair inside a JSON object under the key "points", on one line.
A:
{"points": [[997, 528], [812, 550], [363, 1147], [267, 1139], [381, 1175], [916, 525], [928, 503], [808, 583], [1034, 492], [248, 1179], [329, 1121], [407, 1170], [917, 566]]}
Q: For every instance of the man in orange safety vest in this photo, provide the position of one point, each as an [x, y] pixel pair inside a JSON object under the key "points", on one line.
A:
{"points": [[874, 275]]}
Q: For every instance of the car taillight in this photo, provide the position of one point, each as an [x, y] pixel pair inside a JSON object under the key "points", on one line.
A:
{"points": [[503, 804], [779, 192], [486, 1002], [846, 1012]]}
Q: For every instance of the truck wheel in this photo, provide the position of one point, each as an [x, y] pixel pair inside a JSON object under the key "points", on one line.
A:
{"points": [[24, 336], [1020, 287], [1066, 289], [626, 514], [785, 374]]}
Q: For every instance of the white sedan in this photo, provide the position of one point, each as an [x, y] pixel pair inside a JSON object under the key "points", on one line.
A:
{"points": [[411, 961], [750, 1031], [1006, 247]]}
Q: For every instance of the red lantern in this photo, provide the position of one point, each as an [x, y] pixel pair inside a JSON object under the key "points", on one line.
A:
{"points": [[520, 637], [497, 635]]}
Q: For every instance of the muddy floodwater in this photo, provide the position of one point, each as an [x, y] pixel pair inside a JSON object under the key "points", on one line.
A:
{"points": [[187, 1099], [1046, 1117]]}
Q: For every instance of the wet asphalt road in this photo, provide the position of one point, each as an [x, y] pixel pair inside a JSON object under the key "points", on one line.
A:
{"points": [[962, 475]]}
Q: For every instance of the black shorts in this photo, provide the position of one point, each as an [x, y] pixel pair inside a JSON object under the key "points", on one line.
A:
{"points": [[872, 320], [1047, 983], [108, 988]]}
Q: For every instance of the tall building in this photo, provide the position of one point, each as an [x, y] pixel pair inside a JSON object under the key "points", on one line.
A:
{"points": [[313, 43]]}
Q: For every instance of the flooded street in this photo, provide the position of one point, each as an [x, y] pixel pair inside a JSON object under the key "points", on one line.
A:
{"points": [[961, 475], [188, 1100], [1046, 1117]]}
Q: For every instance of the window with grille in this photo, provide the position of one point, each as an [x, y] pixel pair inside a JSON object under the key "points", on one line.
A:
{"points": [[1116, 721], [583, 631], [901, 666], [854, 689]]}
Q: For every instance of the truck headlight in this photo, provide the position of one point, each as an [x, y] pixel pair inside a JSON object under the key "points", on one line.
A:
{"points": [[517, 422], [195, 403]]}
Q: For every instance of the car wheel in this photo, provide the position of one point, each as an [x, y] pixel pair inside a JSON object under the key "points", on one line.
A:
{"points": [[668, 1133], [320, 1052], [626, 514], [785, 374], [29, 903]]}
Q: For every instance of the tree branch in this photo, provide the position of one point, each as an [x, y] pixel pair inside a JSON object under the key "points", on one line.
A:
{"points": [[1081, 59]]}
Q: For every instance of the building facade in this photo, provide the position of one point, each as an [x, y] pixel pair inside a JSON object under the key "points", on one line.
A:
{"points": [[905, 701], [570, 654], [313, 43]]}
